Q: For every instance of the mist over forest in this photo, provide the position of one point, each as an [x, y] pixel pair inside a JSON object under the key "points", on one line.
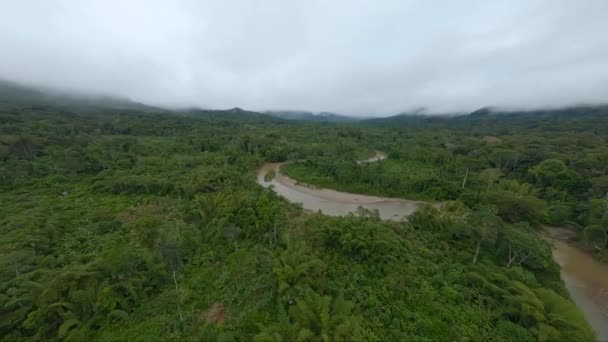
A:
{"points": [[274, 171]]}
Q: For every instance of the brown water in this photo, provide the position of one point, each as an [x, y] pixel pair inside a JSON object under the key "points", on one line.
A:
{"points": [[585, 277]]}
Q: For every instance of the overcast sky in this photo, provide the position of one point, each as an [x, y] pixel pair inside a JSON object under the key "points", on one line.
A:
{"points": [[355, 57]]}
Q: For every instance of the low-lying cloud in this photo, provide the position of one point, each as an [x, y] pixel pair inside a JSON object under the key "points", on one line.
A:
{"points": [[356, 57]]}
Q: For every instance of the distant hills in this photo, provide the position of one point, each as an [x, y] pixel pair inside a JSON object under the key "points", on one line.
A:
{"points": [[310, 116], [235, 113], [486, 120], [12, 93], [490, 114], [15, 94]]}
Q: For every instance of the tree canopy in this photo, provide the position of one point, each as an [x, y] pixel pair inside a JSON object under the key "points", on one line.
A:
{"points": [[132, 224]]}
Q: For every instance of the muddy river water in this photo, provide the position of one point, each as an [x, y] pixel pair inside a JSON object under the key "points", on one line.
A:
{"points": [[331, 202], [585, 277]]}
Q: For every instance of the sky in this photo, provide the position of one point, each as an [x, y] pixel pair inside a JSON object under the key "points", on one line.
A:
{"points": [[355, 57]]}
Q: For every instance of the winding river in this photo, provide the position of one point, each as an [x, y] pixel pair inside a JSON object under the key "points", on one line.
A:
{"points": [[332, 202], [586, 278]]}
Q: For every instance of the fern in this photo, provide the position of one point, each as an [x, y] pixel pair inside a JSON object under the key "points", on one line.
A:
{"points": [[118, 315], [68, 325]]}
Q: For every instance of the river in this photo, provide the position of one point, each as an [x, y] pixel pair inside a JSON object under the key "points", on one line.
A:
{"points": [[335, 203], [585, 277]]}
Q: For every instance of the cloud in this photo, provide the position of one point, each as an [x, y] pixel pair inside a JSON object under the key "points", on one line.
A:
{"points": [[357, 57]]}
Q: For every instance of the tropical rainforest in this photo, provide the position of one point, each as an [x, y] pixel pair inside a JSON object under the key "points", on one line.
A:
{"points": [[144, 224]]}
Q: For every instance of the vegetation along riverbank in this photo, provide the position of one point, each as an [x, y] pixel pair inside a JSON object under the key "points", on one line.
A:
{"points": [[142, 223]]}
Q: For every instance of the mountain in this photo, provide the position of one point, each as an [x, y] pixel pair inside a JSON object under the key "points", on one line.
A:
{"points": [[235, 113], [16, 94], [310, 116], [491, 114], [13, 94]]}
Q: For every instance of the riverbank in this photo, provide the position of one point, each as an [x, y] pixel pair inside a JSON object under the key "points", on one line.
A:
{"points": [[391, 178], [332, 202], [585, 277]]}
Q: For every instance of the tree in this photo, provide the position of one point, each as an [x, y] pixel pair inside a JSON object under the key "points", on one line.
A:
{"points": [[518, 187], [504, 158], [599, 186], [22, 146], [518, 245], [468, 164], [213, 208], [315, 317], [554, 172], [295, 268], [426, 217], [596, 162], [596, 236], [146, 232], [513, 207], [490, 176], [484, 227], [231, 233], [324, 318], [171, 255], [569, 323]]}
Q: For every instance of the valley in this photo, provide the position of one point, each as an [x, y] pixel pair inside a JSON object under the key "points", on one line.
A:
{"points": [[220, 225]]}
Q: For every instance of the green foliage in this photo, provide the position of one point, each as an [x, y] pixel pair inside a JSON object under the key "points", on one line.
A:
{"points": [[513, 207], [127, 224], [554, 172]]}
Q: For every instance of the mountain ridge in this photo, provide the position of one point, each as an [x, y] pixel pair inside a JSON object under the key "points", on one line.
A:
{"points": [[15, 93]]}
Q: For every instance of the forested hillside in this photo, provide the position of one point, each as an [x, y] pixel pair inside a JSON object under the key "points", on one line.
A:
{"points": [[309, 116], [541, 167], [136, 225]]}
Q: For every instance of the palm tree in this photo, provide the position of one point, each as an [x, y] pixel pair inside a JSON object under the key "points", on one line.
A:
{"points": [[321, 318]]}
